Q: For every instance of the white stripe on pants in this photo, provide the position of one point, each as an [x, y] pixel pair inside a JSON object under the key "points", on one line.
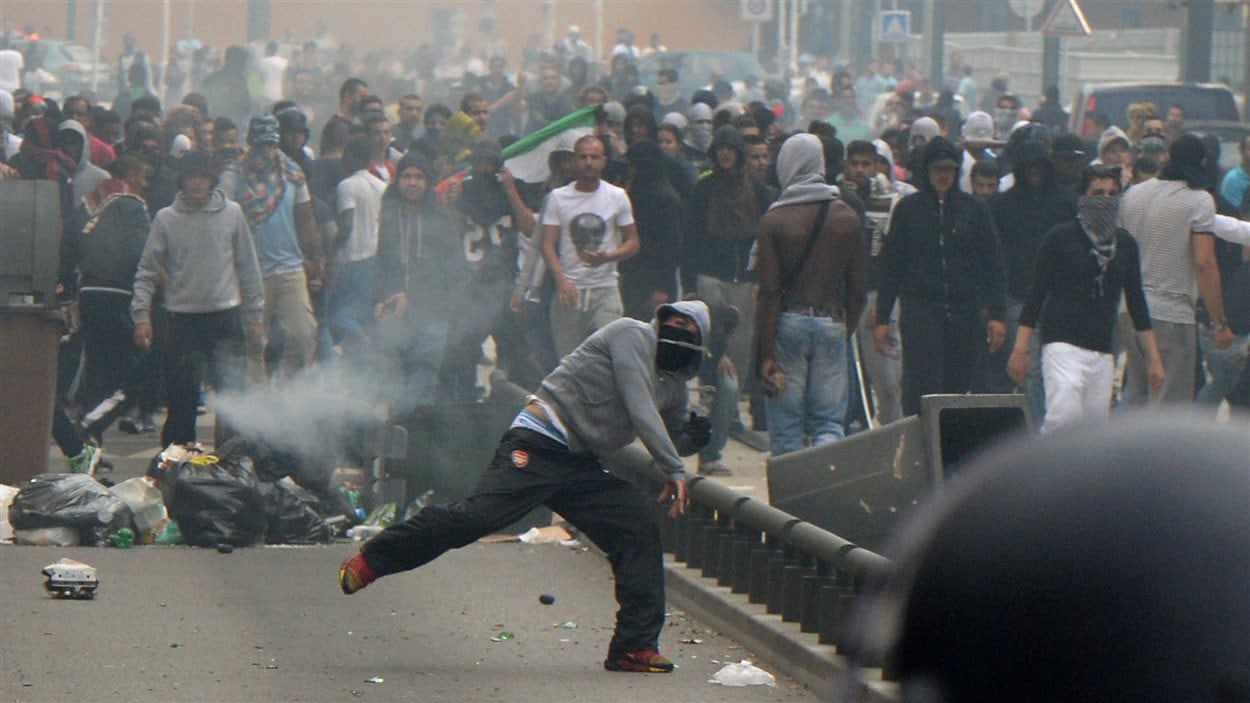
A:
{"points": [[1078, 384]]}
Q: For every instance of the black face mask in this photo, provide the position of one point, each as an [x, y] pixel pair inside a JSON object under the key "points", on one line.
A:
{"points": [[677, 349]]}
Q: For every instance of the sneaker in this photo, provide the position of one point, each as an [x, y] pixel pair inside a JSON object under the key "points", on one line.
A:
{"points": [[714, 468], [128, 425], [146, 426], [647, 661], [85, 461], [355, 574]]}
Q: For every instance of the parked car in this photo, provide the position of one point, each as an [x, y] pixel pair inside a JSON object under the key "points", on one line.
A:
{"points": [[1230, 134], [698, 69], [1201, 101], [70, 65]]}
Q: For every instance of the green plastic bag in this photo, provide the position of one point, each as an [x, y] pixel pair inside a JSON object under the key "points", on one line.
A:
{"points": [[170, 535]]}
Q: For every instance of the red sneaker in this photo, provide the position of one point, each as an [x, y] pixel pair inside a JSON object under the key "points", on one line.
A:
{"points": [[355, 574], [648, 661]]}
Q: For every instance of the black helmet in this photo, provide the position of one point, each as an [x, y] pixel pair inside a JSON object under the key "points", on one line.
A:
{"points": [[1109, 563]]}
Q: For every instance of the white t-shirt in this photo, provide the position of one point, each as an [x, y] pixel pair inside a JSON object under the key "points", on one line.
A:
{"points": [[1163, 216], [272, 69], [11, 63], [588, 222], [361, 193]]}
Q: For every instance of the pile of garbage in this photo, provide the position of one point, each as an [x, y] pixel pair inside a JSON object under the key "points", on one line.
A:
{"points": [[242, 495]]}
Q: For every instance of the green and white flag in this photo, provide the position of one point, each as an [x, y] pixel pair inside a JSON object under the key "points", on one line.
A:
{"points": [[527, 158]]}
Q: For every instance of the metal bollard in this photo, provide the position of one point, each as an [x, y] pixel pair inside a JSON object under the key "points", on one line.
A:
{"points": [[681, 541], [695, 546], [711, 549], [791, 592], [757, 588], [776, 567]]}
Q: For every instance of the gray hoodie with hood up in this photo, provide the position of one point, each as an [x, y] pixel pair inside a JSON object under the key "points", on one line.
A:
{"points": [[207, 259], [608, 391], [88, 177]]}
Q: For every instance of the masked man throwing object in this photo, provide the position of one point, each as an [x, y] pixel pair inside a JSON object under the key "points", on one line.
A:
{"points": [[627, 380]]}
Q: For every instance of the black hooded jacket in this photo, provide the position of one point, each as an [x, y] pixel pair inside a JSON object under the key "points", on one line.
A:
{"points": [[420, 256], [706, 254], [945, 253], [1024, 214]]}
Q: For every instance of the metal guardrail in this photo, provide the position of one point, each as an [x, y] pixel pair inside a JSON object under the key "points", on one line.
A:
{"points": [[797, 570]]}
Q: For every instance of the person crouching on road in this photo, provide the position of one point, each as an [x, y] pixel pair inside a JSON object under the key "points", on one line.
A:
{"points": [[551, 456]]}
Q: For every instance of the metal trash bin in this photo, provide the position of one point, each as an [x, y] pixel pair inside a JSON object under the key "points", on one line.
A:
{"points": [[29, 336]]}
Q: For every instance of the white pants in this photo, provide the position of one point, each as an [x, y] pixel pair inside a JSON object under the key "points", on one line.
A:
{"points": [[1078, 384]]}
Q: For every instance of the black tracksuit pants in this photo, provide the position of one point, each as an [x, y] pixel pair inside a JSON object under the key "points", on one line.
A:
{"points": [[528, 470], [203, 347], [942, 349], [112, 380]]}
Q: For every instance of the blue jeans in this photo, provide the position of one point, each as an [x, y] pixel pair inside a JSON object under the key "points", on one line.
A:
{"points": [[812, 352], [1225, 365], [724, 408]]}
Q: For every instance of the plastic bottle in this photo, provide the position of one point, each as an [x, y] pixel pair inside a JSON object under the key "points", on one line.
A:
{"points": [[123, 538]]}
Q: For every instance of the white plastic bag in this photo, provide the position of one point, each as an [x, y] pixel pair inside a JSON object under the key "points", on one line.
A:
{"points": [[143, 498], [744, 673], [7, 493]]}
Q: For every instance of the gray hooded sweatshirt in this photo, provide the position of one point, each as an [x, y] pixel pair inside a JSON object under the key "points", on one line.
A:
{"points": [[608, 391], [207, 259], [88, 177]]}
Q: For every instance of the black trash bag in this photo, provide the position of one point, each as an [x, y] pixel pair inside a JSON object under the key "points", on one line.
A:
{"points": [[70, 500], [312, 474], [291, 516], [216, 502]]}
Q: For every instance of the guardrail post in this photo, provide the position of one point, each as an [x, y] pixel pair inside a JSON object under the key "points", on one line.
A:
{"points": [[681, 541], [776, 569], [696, 548], [809, 619], [761, 557], [846, 591], [711, 547], [792, 587], [743, 546]]}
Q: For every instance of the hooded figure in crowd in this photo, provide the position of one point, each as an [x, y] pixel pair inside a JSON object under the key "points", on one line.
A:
{"points": [[811, 292], [71, 139], [420, 269], [943, 262], [1023, 215], [650, 277], [721, 225]]}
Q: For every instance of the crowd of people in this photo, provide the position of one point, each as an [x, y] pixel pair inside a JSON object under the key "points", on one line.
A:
{"points": [[942, 240]]}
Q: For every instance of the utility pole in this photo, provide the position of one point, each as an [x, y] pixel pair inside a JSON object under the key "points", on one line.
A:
{"points": [[257, 20], [71, 20], [937, 33], [1200, 25], [1050, 53]]}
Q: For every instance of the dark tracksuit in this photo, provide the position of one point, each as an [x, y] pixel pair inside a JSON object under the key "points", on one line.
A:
{"points": [[943, 261], [105, 248], [531, 469]]}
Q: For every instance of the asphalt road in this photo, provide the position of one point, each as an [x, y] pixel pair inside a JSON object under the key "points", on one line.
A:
{"points": [[269, 624]]}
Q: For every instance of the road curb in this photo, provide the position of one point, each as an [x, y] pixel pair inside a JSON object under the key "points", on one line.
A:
{"points": [[779, 644]]}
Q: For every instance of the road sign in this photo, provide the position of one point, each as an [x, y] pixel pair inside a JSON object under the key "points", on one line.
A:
{"points": [[894, 26], [1066, 20], [757, 10], [1026, 9]]}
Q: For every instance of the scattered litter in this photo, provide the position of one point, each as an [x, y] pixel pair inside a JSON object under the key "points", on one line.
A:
{"points": [[691, 640], [744, 673], [374, 679], [147, 507], [69, 500], [545, 535], [123, 538], [503, 637], [48, 537], [569, 625], [71, 579], [361, 533], [7, 494], [174, 645], [225, 547], [272, 664], [384, 515], [546, 599], [498, 539]]}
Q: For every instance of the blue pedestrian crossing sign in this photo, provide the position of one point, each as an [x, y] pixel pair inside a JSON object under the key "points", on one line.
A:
{"points": [[895, 25]]}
